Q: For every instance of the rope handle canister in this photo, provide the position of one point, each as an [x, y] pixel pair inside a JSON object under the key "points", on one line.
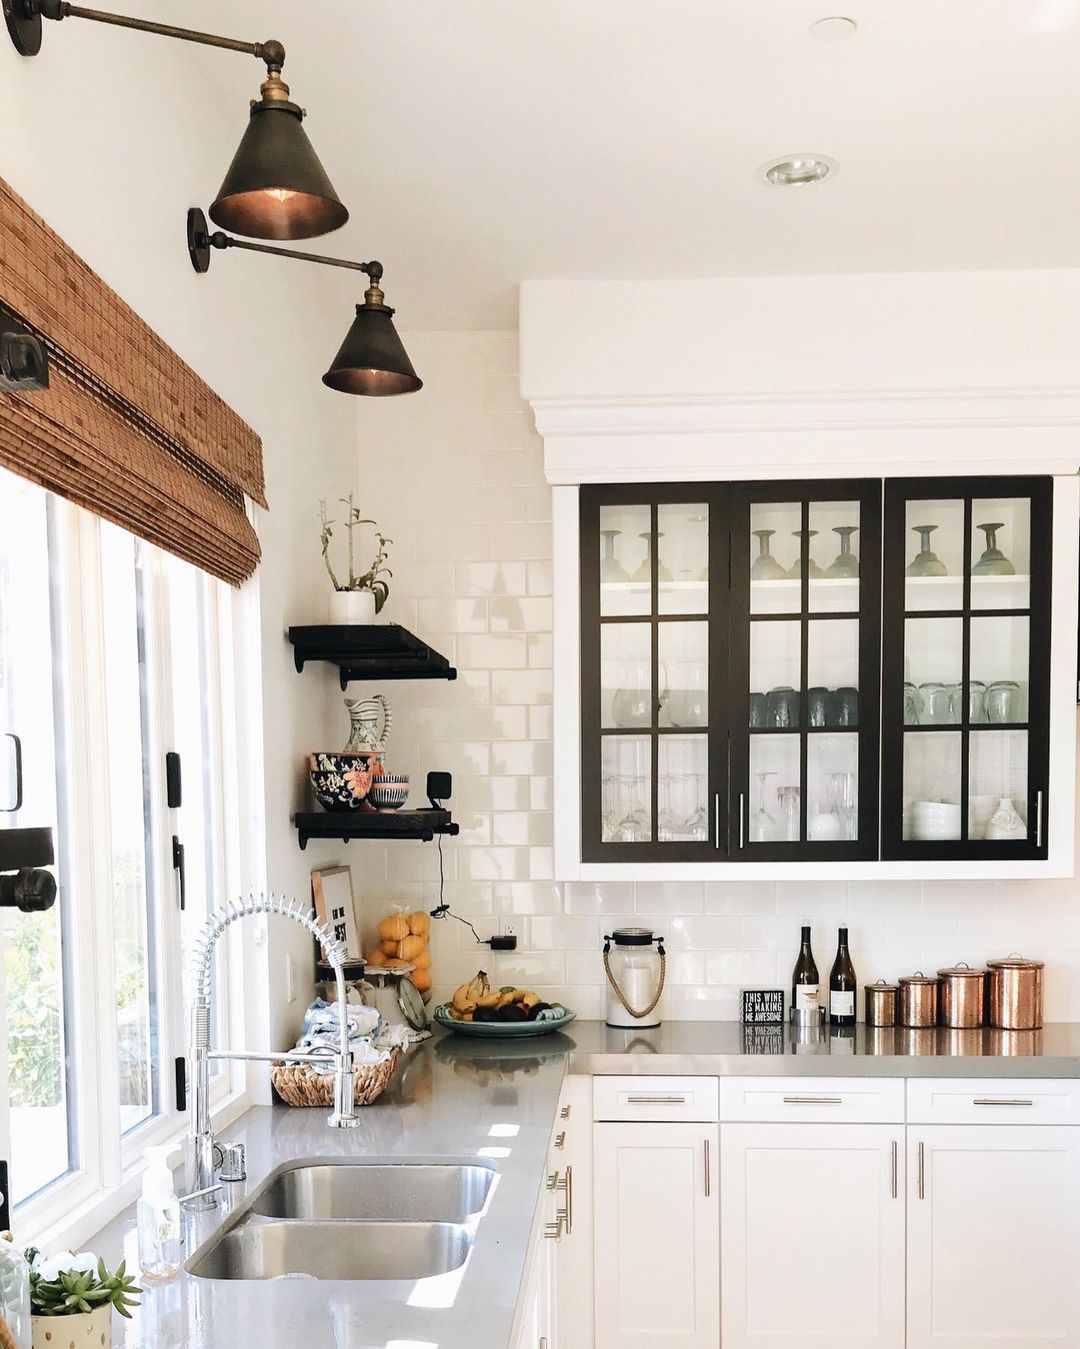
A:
{"points": [[633, 1011]]}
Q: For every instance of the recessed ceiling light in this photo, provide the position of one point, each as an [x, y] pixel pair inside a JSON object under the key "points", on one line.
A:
{"points": [[798, 170], [835, 28]]}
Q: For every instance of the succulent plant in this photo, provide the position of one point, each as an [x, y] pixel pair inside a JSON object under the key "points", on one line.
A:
{"points": [[66, 1284]]}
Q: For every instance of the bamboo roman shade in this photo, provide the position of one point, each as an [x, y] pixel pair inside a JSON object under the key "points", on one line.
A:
{"points": [[125, 428]]}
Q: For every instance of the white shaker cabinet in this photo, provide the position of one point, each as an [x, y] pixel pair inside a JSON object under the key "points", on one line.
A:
{"points": [[993, 1236], [812, 1236], [656, 1236]]}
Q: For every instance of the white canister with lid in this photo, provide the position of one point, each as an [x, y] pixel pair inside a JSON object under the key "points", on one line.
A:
{"points": [[635, 976]]}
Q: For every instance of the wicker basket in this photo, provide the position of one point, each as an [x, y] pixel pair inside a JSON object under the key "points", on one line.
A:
{"points": [[299, 1084]]}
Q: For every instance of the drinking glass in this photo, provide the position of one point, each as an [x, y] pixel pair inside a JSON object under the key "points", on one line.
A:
{"points": [[913, 704], [766, 567], [844, 707], [1003, 701], [846, 564], [757, 711], [976, 700], [926, 562], [993, 561], [789, 812], [782, 707], [845, 801], [611, 569], [764, 827], [818, 701]]}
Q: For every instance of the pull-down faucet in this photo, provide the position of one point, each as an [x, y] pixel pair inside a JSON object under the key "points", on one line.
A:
{"points": [[201, 1175]]}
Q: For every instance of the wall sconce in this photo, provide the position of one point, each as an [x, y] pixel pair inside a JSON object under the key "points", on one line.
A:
{"points": [[275, 188], [372, 359]]}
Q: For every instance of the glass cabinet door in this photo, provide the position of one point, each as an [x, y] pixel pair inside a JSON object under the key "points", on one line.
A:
{"points": [[805, 589], [966, 667], [652, 672]]}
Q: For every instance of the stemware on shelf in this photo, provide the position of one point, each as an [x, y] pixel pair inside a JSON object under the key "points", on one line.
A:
{"points": [[764, 826], [697, 822], [844, 801], [846, 564], [789, 811], [644, 572], [611, 569], [993, 561], [926, 562], [812, 568], [766, 567], [688, 704]]}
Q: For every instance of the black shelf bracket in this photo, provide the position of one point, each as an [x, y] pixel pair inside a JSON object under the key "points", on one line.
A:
{"points": [[370, 651]]}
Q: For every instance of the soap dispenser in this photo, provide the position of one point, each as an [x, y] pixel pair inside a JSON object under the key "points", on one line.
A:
{"points": [[158, 1217]]}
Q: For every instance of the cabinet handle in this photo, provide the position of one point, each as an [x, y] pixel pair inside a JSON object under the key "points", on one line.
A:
{"points": [[742, 821], [716, 818], [560, 1140], [543, 1342], [564, 1113], [813, 1100], [567, 1187], [922, 1170], [1000, 1100], [553, 1231], [895, 1169], [1038, 819], [656, 1098], [553, 1180], [708, 1178]]}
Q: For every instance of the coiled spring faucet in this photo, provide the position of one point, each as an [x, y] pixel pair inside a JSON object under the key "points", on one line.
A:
{"points": [[201, 1176]]}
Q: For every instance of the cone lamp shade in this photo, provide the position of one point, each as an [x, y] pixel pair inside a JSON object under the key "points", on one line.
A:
{"points": [[372, 360], [276, 188]]}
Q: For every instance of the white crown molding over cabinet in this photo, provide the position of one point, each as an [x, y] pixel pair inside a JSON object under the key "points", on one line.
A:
{"points": [[806, 377]]}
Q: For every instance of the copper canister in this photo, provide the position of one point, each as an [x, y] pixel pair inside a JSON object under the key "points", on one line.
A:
{"points": [[1016, 993], [960, 1002], [881, 1004], [918, 999]]}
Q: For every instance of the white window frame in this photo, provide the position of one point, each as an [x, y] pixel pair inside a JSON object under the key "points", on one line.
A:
{"points": [[106, 1176]]}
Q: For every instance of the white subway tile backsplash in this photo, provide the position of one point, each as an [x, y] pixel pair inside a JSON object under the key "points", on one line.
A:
{"points": [[472, 562]]}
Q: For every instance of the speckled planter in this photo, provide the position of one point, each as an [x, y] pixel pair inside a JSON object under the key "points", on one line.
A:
{"points": [[86, 1330]]}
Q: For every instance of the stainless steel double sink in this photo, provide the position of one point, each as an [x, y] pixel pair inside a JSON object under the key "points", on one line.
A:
{"points": [[344, 1219]]}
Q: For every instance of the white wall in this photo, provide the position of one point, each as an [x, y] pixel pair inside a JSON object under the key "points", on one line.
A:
{"points": [[454, 474], [111, 136]]}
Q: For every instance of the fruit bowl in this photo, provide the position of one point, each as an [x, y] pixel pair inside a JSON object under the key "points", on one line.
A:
{"points": [[501, 1030]]}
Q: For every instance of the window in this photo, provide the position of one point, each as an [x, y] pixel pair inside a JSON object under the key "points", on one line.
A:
{"points": [[111, 654]]}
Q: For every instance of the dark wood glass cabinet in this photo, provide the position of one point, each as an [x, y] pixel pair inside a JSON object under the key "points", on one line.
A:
{"points": [[755, 689]]}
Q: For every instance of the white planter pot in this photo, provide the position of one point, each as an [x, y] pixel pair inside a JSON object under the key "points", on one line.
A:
{"points": [[352, 606], [86, 1330]]}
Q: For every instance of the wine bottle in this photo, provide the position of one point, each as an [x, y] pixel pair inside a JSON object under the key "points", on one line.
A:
{"points": [[804, 983], [842, 985]]}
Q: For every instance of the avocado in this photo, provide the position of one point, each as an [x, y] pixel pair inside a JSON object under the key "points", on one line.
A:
{"points": [[537, 1008], [512, 1012]]}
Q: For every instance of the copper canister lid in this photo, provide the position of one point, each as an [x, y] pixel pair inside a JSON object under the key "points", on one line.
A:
{"points": [[917, 978], [962, 970], [1015, 962]]}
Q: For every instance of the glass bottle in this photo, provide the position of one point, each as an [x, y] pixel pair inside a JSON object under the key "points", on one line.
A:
{"points": [[805, 1008], [15, 1294]]}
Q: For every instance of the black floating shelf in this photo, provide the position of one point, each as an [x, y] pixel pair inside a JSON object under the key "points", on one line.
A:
{"points": [[369, 651], [347, 824]]}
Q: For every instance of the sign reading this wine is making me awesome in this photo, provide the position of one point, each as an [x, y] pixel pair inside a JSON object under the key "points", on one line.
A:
{"points": [[763, 1006]]}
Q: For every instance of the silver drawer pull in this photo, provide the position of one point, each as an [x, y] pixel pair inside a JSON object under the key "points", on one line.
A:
{"points": [[656, 1100], [1000, 1100], [813, 1100], [560, 1140], [895, 1168]]}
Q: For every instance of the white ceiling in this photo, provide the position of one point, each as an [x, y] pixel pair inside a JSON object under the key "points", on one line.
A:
{"points": [[478, 143]]}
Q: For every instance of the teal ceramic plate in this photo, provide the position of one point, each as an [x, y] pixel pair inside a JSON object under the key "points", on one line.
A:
{"points": [[498, 1030]]}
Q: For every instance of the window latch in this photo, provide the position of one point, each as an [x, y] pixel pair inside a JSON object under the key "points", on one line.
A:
{"points": [[178, 867]]}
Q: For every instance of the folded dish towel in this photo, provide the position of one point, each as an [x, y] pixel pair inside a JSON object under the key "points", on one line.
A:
{"points": [[322, 1035]]}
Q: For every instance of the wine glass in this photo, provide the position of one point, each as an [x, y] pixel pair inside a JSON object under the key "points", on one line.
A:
{"points": [[766, 567], [844, 799], [846, 564], [697, 822], [789, 811], [764, 826], [611, 569], [993, 561], [644, 572], [812, 568], [926, 562]]}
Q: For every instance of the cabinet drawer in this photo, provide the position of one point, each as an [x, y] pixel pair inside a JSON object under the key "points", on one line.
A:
{"points": [[994, 1101], [813, 1100], [667, 1099]]}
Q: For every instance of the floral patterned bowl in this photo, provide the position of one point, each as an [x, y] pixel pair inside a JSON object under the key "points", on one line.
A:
{"points": [[340, 781]]}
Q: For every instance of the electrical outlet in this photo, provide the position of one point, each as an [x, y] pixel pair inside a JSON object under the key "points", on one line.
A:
{"points": [[508, 927], [290, 979]]}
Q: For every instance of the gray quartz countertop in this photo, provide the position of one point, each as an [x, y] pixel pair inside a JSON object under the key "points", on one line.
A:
{"points": [[461, 1098]]}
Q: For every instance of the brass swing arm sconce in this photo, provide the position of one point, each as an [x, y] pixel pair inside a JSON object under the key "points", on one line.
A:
{"points": [[275, 188], [372, 359]]}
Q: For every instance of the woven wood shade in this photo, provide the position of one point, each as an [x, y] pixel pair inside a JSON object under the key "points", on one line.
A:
{"points": [[125, 428]]}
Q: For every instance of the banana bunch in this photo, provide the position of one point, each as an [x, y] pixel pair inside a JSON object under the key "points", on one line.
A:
{"points": [[478, 1001], [467, 997]]}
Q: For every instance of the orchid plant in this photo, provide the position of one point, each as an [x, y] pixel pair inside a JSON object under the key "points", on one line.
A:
{"points": [[376, 578], [65, 1284]]}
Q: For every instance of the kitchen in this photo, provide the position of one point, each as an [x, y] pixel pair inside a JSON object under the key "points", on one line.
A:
{"points": [[901, 320]]}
